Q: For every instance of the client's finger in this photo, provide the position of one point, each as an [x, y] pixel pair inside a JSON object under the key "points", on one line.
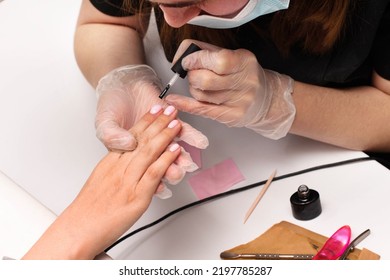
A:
{"points": [[150, 148], [152, 177]]}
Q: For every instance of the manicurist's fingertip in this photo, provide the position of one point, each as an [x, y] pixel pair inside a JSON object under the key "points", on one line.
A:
{"points": [[165, 193]]}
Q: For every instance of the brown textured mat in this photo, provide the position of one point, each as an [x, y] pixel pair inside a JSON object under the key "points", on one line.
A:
{"points": [[287, 238]]}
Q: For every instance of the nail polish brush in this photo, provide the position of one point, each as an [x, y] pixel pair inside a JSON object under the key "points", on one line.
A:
{"points": [[178, 69]]}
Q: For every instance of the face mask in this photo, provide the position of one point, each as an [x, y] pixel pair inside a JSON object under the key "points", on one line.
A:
{"points": [[252, 10]]}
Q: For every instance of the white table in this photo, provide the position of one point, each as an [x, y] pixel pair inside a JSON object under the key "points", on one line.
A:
{"points": [[48, 146], [23, 219]]}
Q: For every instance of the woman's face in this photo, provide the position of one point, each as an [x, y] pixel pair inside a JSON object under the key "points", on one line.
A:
{"points": [[179, 12]]}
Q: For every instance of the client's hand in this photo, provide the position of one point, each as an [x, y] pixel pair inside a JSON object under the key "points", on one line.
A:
{"points": [[117, 193], [124, 95]]}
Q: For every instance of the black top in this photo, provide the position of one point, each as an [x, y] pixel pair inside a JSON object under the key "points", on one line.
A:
{"points": [[364, 48]]}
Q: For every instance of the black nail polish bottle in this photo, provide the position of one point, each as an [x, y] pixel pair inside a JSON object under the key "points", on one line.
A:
{"points": [[305, 203]]}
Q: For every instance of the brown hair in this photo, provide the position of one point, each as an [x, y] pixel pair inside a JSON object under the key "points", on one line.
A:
{"points": [[314, 25]]}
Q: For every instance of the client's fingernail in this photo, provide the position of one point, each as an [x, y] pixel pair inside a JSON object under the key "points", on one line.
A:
{"points": [[174, 147], [173, 123], [164, 194], [169, 110], [155, 109]]}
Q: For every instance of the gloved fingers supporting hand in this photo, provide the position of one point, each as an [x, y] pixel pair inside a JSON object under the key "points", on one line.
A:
{"points": [[163, 192], [193, 137], [175, 173], [125, 94], [115, 137], [129, 75], [123, 101]]}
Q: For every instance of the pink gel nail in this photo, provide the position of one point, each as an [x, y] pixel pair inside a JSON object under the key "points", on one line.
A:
{"points": [[173, 123], [169, 110], [155, 109], [174, 147]]}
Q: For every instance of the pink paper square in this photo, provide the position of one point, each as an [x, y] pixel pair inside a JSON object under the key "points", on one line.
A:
{"points": [[216, 179]]}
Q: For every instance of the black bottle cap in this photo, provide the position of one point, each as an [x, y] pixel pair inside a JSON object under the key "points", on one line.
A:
{"points": [[177, 68], [305, 203]]}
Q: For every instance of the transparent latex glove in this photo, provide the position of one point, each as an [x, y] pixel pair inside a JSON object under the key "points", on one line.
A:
{"points": [[124, 95], [231, 87]]}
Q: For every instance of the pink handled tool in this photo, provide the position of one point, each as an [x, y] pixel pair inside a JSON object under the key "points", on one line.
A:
{"points": [[335, 246]]}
